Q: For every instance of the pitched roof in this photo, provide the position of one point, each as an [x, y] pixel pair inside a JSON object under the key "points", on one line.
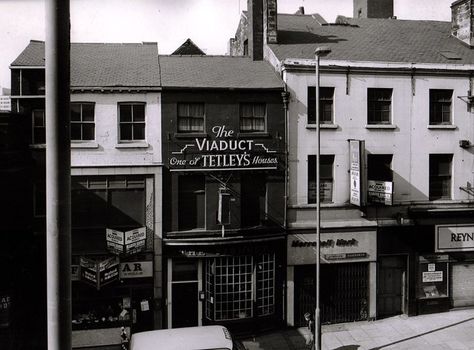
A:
{"points": [[188, 48], [217, 72], [379, 40], [103, 65]]}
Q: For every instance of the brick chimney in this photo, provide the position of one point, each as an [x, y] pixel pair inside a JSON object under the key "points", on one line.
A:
{"points": [[373, 8], [262, 16], [462, 21]]}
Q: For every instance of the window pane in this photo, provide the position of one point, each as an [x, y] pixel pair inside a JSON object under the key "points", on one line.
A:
{"points": [[127, 208], [139, 113], [38, 118], [75, 111], [126, 132], [325, 178], [440, 176], [39, 136], [379, 167], [440, 106], [139, 131], [88, 112], [379, 106], [252, 117], [88, 131], [125, 113], [185, 270], [76, 132]]}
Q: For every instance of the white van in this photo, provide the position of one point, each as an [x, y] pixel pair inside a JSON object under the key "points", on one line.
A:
{"points": [[189, 338]]}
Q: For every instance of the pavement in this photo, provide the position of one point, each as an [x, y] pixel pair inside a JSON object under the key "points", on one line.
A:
{"points": [[448, 330]]}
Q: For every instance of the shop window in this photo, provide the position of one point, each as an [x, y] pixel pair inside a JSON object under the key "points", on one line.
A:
{"points": [[82, 121], [440, 106], [108, 202], [132, 121], [379, 102], [440, 176], [326, 178], [191, 202], [266, 285], [379, 167], [252, 117], [253, 199], [190, 117], [326, 102], [39, 127]]}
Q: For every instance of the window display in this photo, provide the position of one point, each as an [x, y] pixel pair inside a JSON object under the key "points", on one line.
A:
{"points": [[433, 277]]}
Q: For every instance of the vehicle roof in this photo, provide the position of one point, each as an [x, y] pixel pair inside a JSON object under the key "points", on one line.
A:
{"points": [[188, 338]]}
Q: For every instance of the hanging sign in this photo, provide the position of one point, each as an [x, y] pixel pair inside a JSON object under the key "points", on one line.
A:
{"points": [[99, 274], [224, 150], [356, 148], [380, 192], [126, 243]]}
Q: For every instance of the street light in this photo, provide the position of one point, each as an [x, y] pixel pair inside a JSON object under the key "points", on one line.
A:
{"points": [[319, 52]]}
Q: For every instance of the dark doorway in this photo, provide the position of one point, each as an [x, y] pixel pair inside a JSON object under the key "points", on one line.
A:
{"points": [[391, 293], [185, 304]]}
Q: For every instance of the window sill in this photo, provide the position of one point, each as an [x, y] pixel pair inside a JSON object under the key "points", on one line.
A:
{"points": [[322, 126], [78, 144], [381, 126], [38, 146], [442, 127], [132, 145], [189, 135], [253, 134]]}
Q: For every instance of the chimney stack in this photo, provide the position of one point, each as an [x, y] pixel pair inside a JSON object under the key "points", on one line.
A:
{"points": [[262, 15], [373, 9], [300, 11], [462, 20]]}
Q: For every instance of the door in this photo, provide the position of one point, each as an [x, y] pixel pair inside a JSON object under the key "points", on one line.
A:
{"points": [[462, 290], [391, 293]]}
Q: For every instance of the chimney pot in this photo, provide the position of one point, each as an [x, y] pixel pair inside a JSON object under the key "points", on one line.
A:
{"points": [[301, 10]]}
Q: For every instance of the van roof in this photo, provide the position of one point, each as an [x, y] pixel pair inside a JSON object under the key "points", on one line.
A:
{"points": [[189, 338]]}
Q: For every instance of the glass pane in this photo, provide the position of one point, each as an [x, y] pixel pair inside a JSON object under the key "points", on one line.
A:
{"points": [[139, 131], [76, 132], [38, 118], [39, 136], [88, 112], [75, 111], [125, 131], [183, 109], [139, 113], [88, 131], [184, 270], [125, 113], [246, 110], [88, 208], [259, 109], [127, 208]]}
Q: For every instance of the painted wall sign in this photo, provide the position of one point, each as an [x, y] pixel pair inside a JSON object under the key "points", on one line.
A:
{"points": [[335, 247], [454, 238], [356, 148], [380, 192], [126, 243], [223, 151], [136, 269]]}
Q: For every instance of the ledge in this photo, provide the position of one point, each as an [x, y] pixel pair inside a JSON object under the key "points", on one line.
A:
{"points": [[84, 145], [442, 127], [381, 126], [189, 135], [322, 126], [132, 145]]}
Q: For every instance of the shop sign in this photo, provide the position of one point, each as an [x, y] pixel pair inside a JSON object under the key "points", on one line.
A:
{"points": [[356, 148], [136, 269], [126, 243], [223, 151], [432, 276], [335, 247], [453, 238], [380, 192], [99, 273], [5, 310]]}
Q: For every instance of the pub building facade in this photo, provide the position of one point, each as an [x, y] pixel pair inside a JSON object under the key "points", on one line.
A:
{"points": [[115, 184], [224, 192]]}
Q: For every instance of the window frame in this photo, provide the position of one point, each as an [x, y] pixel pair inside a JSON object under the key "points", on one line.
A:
{"points": [[252, 118], [377, 104], [35, 128], [438, 100], [311, 178], [190, 117], [440, 179], [131, 122], [83, 123], [326, 97]]}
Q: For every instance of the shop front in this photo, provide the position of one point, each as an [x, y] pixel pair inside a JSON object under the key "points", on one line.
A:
{"points": [[230, 282], [348, 276]]}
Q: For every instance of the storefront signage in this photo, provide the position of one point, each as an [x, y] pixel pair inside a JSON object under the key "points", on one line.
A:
{"points": [[136, 269], [453, 238], [5, 310], [99, 273], [335, 247], [356, 148], [126, 243], [223, 151], [380, 192], [432, 276]]}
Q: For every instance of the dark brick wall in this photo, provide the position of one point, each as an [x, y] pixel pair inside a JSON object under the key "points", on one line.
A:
{"points": [[255, 14]]}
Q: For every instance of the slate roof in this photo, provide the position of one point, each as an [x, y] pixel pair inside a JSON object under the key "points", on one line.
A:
{"points": [[377, 40], [103, 65], [217, 72]]}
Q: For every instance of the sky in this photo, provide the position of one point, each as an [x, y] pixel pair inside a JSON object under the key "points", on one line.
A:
{"points": [[209, 23]]}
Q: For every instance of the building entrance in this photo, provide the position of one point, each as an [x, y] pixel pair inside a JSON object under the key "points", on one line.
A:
{"points": [[391, 295]]}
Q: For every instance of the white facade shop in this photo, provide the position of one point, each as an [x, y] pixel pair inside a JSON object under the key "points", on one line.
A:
{"points": [[458, 242], [348, 276]]}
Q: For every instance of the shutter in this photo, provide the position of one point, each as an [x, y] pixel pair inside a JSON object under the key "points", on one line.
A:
{"points": [[462, 286]]}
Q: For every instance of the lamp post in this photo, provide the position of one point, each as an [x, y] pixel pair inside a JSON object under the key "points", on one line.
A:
{"points": [[319, 52]]}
